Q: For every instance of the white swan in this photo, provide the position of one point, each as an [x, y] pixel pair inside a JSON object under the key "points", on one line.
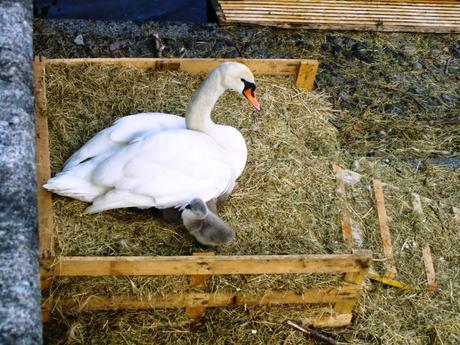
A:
{"points": [[161, 160]]}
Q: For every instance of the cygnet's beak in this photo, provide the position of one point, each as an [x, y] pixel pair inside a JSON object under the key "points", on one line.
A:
{"points": [[251, 96]]}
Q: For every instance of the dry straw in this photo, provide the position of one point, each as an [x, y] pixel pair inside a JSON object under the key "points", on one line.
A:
{"points": [[284, 203]]}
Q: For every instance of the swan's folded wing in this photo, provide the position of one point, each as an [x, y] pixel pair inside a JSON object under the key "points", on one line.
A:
{"points": [[122, 132], [171, 167]]}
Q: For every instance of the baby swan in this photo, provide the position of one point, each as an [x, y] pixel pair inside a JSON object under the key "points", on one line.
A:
{"points": [[204, 225]]}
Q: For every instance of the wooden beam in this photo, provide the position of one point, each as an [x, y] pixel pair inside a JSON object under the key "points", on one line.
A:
{"points": [[198, 281], [45, 209], [387, 281], [390, 264], [306, 75], [429, 268], [417, 204], [456, 212], [419, 16], [217, 265], [217, 299], [197, 66]]}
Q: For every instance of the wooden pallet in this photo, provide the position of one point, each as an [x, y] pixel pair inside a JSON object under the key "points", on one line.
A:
{"points": [[199, 267], [390, 274], [442, 16]]}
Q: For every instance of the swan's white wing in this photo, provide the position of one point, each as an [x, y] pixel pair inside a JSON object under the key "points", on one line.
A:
{"points": [[170, 167], [123, 131]]}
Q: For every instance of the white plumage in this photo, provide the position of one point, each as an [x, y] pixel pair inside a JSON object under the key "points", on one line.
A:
{"points": [[161, 160]]}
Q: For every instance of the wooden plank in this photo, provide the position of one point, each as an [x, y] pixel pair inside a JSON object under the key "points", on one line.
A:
{"points": [[349, 27], [217, 299], [321, 18], [197, 66], [421, 16], [354, 278], [456, 212], [447, 3], [449, 8], [306, 75], [429, 268], [45, 210], [387, 281], [417, 204], [347, 230], [217, 265], [390, 264], [198, 281], [329, 321], [366, 11]]}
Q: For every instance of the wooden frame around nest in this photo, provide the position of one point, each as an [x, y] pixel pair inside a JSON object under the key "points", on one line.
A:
{"points": [[200, 266]]}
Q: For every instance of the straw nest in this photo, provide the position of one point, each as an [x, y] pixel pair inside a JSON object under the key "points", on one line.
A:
{"points": [[284, 203]]}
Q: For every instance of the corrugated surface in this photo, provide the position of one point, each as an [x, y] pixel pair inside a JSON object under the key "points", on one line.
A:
{"points": [[408, 15]]}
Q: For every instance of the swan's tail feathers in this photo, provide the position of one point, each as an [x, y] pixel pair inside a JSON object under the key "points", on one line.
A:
{"points": [[119, 199], [74, 187]]}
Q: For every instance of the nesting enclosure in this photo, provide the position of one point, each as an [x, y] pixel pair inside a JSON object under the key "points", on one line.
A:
{"points": [[440, 16], [75, 98]]}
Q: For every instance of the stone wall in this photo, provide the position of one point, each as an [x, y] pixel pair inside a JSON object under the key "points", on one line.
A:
{"points": [[20, 316]]}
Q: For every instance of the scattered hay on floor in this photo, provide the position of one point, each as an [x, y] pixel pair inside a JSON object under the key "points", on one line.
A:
{"points": [[284, 203]]}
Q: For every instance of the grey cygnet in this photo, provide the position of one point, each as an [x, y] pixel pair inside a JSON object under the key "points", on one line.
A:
{"points": [[205, 225]]}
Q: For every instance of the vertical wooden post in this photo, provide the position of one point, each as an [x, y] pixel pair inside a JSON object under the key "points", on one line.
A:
{"points": [[429, 268], [456, 211], [45, 210], [356, 278], [198, 281], [306, 75], [391, 271]]}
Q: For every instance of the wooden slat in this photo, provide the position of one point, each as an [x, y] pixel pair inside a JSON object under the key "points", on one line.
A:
{"points": [[217, 299], [354, 19], [456, 212], [402, 13], [422, 16], [218, 265], [429, 268], [306, 75], [391, 271], [196, 66], [198, 281], [443, 8], [354, 278], [224, 3], [417, 204], [45, 210], [387, 281]]}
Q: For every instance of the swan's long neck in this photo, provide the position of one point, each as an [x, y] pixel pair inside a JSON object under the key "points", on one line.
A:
{"points": [[198, 115]]}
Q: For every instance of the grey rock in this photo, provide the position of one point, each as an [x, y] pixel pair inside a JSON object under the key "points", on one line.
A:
{"points": [[409, 50], [456, 52], [79, 40], [447, 98], [343, 96], [20, 314], [417, 66]]}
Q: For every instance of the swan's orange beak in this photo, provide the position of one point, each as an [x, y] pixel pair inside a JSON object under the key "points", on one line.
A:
{"points": [[251, 96]]}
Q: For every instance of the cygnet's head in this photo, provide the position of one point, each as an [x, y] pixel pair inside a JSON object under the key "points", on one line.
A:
{"points": [[204, 225], [238, 77]]}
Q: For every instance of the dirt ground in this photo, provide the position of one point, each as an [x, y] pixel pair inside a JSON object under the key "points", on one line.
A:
{"points": [[386, 87]]}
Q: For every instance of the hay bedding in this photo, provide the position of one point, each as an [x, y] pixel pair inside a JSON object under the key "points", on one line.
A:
{"points": [[284, 203]]}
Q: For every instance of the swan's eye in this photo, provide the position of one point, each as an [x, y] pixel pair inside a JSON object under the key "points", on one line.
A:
{"points": [[248, 85]]}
